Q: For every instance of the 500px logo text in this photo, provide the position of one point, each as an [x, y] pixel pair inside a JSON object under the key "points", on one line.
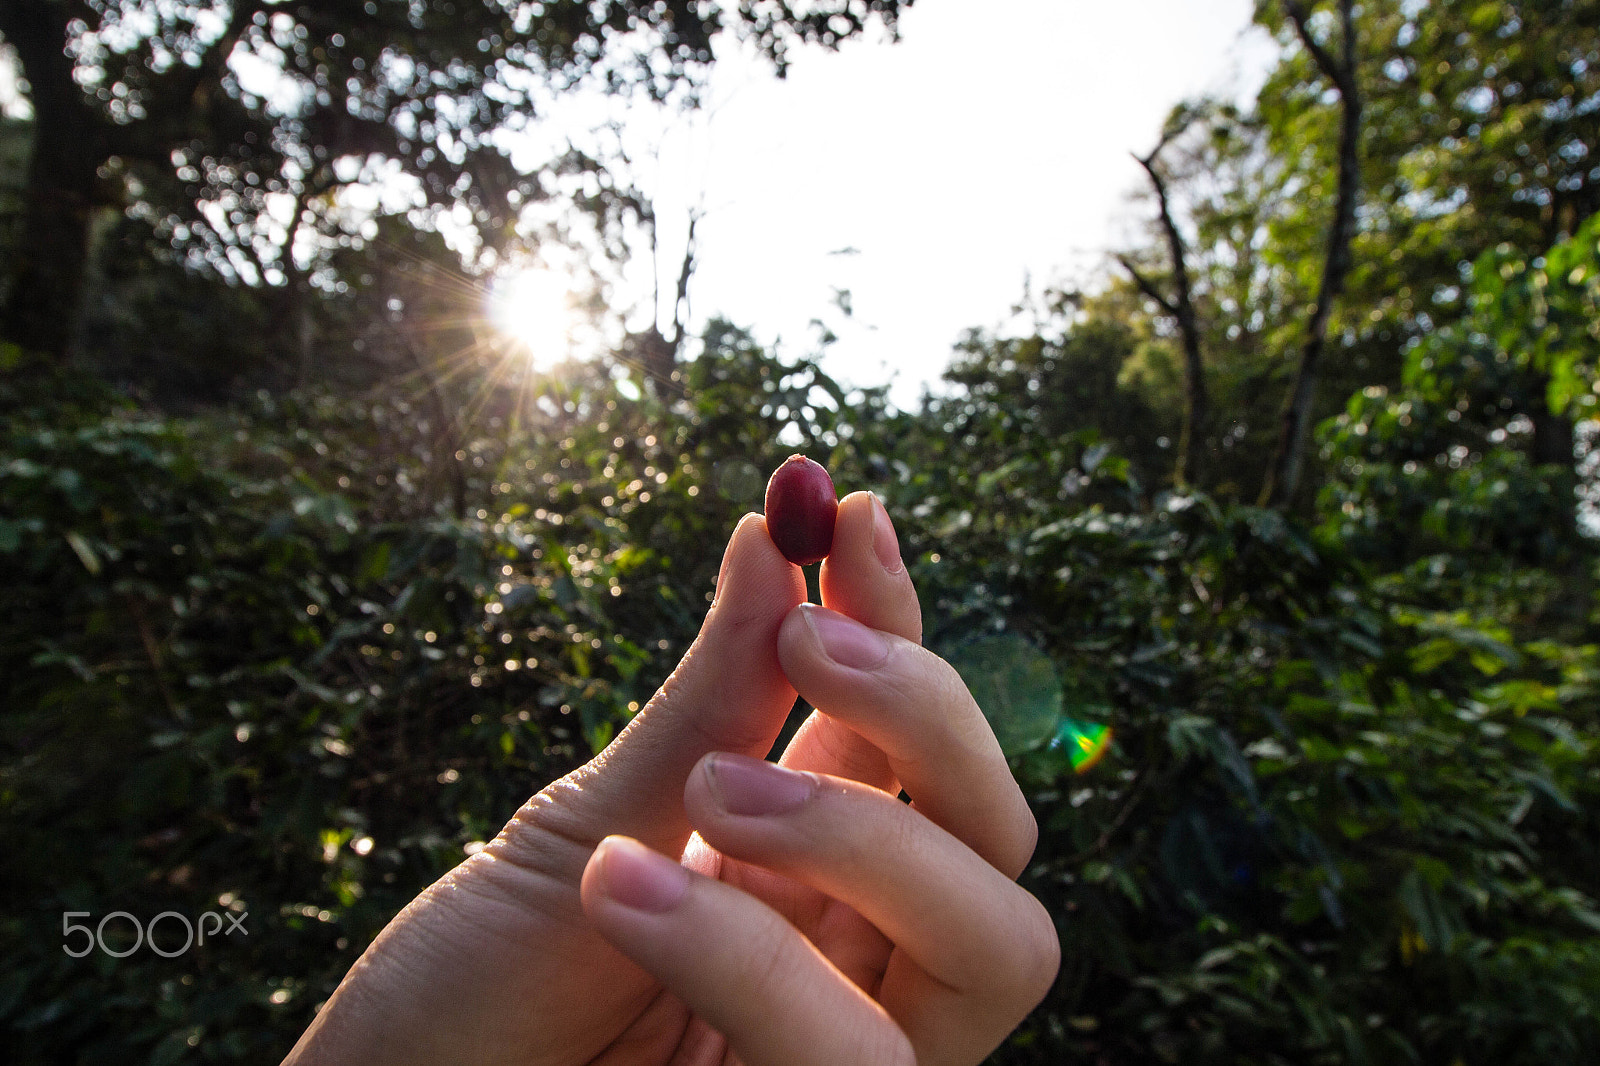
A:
{"points": [[210, 924]]}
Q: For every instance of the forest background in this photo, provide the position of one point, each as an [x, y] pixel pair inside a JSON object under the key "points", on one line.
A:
{"points": [[310, 579]]}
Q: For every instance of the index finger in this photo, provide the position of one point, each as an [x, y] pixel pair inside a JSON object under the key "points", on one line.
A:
{"points": [[864, 576]]}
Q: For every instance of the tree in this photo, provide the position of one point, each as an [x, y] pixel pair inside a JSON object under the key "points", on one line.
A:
{"points": [[1283, 476], [1444, 465], [227, 121], [1475, 130], [1474, 133]]}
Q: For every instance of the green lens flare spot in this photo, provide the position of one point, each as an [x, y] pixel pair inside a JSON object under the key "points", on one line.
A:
{"points": [[1084, 742]]}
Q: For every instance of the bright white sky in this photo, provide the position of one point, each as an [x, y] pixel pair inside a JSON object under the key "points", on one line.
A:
{"points": [[992, 143]]}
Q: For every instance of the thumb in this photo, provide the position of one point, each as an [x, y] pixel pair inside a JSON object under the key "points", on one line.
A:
{"points": [[728, 693]]}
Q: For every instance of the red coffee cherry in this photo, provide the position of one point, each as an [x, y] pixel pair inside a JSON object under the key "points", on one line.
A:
{"points": [[801, 510]]}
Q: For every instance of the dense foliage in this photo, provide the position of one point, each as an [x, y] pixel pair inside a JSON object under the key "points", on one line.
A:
{"points": [[1350, 816], [1351, 813], [260, 663], [255, 662]]}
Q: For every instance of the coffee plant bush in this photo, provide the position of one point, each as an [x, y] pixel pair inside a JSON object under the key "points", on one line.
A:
{"points": [[292, 660]]}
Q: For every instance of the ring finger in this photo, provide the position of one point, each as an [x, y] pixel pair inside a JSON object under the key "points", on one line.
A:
{"points": [[974, 951]]}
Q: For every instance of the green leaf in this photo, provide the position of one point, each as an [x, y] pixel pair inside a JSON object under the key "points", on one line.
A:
{"points": [[86, 554]]}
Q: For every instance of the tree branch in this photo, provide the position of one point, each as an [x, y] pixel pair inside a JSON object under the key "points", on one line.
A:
{"points": [[1146, 286], [1197, 403], [1135, 793], [680, 306], [1341, 71]]}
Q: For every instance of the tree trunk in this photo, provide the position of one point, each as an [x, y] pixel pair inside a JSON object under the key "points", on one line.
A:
{"points": [[1554, 438], [64, 186], [1294, 432], [1555, 444], [52, 262]]}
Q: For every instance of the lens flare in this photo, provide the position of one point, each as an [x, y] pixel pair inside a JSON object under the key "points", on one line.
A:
{"points": [[533, 309], [1021, 694], [1084, 742]]}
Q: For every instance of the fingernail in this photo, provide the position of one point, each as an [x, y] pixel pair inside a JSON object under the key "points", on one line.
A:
{"points": [[751, 786], [884, 542], [641, 879], [847, 642]]}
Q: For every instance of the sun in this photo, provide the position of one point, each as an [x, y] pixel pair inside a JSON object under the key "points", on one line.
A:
{"points": [[532, 308]]}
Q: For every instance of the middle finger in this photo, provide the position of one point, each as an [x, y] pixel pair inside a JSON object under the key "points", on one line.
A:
{"points": [[913, 706]]}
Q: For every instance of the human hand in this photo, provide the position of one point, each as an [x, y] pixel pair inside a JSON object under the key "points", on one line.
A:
{"points": [[846, 928]]}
